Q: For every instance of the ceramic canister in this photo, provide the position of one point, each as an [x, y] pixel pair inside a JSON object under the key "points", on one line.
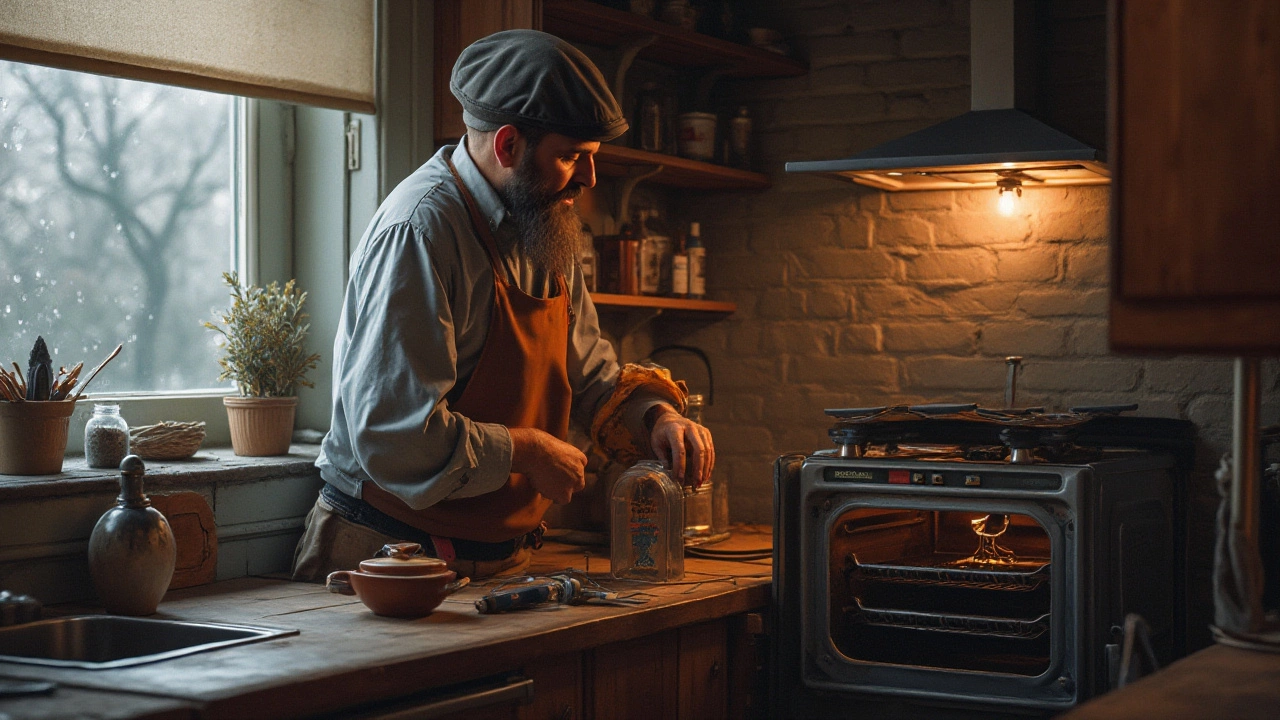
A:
{"points": [[132, 552], [698, 135]]}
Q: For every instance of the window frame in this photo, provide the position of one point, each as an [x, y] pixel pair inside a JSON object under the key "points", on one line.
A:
{"points": [[261, 132]]}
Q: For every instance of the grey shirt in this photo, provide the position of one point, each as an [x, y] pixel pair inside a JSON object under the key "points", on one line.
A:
{"points": [[414, 320]]}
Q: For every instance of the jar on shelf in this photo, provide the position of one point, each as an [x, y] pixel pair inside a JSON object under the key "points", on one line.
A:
{"points": [[106, 437], [646, 513]]}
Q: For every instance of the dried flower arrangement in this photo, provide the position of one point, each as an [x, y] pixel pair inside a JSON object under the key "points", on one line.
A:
{"points": [[265, 330], [40, 382]]}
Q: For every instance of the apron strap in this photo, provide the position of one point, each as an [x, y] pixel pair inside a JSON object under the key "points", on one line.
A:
{"points": [[482, 228]]}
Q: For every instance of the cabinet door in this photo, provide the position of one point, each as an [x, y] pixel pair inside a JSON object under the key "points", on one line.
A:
{"points": [[458, 24], [704, 685], [636, 679], [1196, 155], [557, 688]]}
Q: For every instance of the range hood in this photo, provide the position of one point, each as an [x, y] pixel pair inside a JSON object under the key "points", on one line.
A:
{"points": [[994, 145]]}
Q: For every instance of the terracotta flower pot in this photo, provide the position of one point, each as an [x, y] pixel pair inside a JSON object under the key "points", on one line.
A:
{"points": [[33, 436], [260, 426]]}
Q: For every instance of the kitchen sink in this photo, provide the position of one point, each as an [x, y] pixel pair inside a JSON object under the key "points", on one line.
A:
{"points": [[101, 642]]}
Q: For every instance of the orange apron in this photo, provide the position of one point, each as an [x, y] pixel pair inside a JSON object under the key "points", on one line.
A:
{"points": [[521, 380]]}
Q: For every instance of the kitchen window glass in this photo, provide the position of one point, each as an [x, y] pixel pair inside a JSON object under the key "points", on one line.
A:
{"points": [[117, 219]]}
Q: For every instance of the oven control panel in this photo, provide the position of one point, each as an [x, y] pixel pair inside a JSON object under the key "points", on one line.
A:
{"points": [[976, 478]]}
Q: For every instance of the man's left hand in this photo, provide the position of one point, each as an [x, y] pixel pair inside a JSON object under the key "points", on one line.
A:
{"points": [[684, 445]]}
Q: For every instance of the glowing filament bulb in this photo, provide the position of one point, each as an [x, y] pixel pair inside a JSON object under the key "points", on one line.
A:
{"points": [[1009, 190], [1007, 203]]}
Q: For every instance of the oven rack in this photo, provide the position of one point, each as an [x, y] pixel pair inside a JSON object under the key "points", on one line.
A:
{"points": [[1024, 576], [982, 625]]}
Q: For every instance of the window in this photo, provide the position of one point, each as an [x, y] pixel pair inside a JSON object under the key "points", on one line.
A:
{"points": [[118, 216]]}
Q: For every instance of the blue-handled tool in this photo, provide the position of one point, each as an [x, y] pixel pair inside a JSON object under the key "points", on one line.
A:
{"points": [[557, 589]]}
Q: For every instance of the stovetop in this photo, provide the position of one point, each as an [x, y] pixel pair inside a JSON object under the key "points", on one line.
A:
{"points": [[968, 433]]}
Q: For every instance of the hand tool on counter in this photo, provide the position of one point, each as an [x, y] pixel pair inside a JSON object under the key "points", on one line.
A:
{"points": [[558, 589]]}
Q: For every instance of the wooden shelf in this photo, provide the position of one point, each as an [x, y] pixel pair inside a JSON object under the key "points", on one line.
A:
{"points": [[586, 22], [617, 160], [651, 302]]}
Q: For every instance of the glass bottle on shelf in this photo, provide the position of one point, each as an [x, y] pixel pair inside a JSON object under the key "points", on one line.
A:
{"points": [[697, 262], [646, 528], [655, 256], [629, 258], [651, 119], [588, 260], [106, 437], [680, 270], [740, 139]]}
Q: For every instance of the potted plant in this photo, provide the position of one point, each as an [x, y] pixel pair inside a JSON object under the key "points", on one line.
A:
{"points": [[265, 354]]}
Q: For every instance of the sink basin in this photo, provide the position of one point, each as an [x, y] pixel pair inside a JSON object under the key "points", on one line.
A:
{"points": [[100, 642]]}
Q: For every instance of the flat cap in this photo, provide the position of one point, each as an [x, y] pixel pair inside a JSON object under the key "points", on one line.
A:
{"points": [[528, 78]]}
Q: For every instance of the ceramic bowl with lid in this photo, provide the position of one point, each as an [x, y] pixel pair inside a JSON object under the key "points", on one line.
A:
{"points": [[401, 582]]}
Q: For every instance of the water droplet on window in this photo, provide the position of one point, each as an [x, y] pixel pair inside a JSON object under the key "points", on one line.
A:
{"points": [[7, 309], [72, 234], [17, 147], [37, 274], [119, 227], [151, 316], [128, 317], [17, 278], [115, 174]]}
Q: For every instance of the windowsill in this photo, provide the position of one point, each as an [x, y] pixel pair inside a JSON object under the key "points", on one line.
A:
{"points": [[218, 466]]}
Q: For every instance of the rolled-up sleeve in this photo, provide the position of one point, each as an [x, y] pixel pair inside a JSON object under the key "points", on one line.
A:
{"points": [[392, 379]]}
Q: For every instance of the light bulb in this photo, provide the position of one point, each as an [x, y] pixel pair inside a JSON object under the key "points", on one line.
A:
{"points": [[1007, 203]]}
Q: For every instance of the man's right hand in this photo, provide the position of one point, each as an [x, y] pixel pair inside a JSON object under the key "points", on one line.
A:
{"points": [[555, 468]]}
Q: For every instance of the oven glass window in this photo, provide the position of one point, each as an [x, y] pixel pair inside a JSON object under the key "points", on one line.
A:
{"points": [[946, 589]]}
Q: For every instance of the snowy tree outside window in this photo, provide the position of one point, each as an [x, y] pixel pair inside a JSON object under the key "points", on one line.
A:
{"points": [[116, 214]]}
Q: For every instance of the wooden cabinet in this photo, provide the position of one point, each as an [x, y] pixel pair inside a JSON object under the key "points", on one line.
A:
{"points": [[686, 673], [458, 24], [682, 673], [1196, 190], [595, 24]]}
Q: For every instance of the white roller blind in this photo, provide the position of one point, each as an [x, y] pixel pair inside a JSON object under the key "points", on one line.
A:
{"points": [[317, 52]]}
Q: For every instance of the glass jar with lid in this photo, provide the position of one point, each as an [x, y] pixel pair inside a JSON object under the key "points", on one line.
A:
{"points": [[646, 514], [106, 437], [706, 508]]}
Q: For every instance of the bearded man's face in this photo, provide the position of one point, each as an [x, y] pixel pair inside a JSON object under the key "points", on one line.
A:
{"points": [[540, 198]]}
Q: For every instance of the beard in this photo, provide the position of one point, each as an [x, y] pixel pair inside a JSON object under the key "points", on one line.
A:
{"points": [[547, 230]]}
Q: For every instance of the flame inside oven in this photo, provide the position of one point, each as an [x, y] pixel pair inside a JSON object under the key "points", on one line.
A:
{"points": [[990, 551]]}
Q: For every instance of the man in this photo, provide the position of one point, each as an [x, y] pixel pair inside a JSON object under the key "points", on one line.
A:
{"points": [[467, 339]]}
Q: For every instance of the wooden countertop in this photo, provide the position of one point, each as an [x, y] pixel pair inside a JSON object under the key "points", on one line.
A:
{"points": [[345, 655], [1216, 682]]}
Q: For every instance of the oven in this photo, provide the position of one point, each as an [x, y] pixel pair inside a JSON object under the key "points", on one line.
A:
{"points": [[927, 561]]}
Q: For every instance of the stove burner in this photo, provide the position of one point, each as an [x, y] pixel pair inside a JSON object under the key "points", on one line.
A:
{"points": [[964, 431]]}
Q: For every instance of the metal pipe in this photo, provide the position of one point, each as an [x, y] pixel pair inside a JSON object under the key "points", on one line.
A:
{"points": [[1014, 363], [1246, 448]]}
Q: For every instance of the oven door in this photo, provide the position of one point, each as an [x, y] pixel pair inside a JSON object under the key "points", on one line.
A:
{"points": [[950, 592]]}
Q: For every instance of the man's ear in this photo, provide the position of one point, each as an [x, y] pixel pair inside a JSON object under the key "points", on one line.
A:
{"points": [[508, 143]]}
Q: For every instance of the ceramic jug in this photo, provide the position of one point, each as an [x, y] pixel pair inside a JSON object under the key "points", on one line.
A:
{"points": [[132, 552]]}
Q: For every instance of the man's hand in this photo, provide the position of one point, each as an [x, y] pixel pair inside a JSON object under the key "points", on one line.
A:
{"points": [[684, 445], [555, 468]]}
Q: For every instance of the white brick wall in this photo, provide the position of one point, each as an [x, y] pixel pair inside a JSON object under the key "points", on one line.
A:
{"points": [[852, 297]]}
